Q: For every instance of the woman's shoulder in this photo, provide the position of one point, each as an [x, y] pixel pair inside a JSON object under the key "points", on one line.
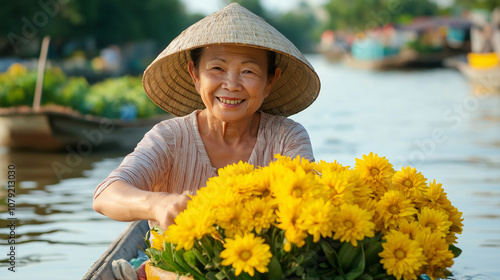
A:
{"points": [[175, 124], [272, 122], [168, 132]]}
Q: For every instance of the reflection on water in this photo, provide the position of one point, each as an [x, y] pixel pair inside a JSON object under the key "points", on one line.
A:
{"points": [[429, 119], [56, 231]]}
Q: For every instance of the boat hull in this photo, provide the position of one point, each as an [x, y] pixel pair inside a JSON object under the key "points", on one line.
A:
{"points": [[50, 131], [124, 247]]}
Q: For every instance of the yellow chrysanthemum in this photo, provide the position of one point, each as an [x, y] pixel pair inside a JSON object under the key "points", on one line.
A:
{"points": [[230, 219], [287, 218], [401, 256], [437, 254], [376, 172], [240, 168], [263, 179], [191, 224], [455, 217], [409, 181], [410, 228], [322, 166], [368, 204], [393, 208], [258, 214], [216, 194], [337, 187], [361, 191], [352, 223], [158, 240], [316, 218], [433, 197], [292, 164], [243, 185], [436, 220], [294, 235], [247, 253], [297, 184]]}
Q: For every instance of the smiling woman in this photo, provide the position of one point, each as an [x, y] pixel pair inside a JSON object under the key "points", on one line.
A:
{"points": [[231, 79]]}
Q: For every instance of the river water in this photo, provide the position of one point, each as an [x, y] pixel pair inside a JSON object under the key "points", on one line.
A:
{"points": [[430, 119]]}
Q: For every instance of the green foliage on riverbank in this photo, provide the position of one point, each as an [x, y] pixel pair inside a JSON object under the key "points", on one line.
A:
{"points": [[360, 15], [108, 98]]}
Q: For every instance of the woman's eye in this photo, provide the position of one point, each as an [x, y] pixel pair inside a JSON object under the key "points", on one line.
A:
{"points": [[248, 71]]}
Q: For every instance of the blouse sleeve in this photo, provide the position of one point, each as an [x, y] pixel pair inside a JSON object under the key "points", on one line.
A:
{"points": [[296, 141], [144, 167]]}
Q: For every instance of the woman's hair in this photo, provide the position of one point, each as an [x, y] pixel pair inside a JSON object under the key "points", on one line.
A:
{"points": [[195, 55]]}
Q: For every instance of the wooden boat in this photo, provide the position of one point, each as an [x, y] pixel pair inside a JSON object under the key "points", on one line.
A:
{"points": [[388, 62], [51, 129], [124, 247], [484, 80]]}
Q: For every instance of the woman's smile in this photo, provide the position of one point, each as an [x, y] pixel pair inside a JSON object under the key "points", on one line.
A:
{"points": [[230, 101]]}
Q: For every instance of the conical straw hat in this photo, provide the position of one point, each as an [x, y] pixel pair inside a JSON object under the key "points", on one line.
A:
{"points": [[168, 83]]}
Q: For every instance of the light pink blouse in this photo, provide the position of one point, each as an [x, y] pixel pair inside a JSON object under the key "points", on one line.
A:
{"points": [[172, 157]]}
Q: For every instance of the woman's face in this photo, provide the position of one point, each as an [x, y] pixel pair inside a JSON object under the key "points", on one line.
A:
{"points": [[233, 80]]}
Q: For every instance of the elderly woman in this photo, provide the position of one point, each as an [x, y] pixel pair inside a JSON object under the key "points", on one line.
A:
{"points": [[231, 79]]}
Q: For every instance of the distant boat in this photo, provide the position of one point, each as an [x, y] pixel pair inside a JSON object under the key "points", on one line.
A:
{"points": [[394, 61], [486, 79], [52, 130]]}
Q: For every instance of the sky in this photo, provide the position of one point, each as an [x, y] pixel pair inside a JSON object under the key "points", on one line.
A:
{"points": [[209, 6]]}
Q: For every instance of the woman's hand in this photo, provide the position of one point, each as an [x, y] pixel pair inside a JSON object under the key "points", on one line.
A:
{"points": [[167, 207], [123, 202]]}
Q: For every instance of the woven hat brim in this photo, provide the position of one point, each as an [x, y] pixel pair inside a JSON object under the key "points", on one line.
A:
{"points": [[168, 83]]}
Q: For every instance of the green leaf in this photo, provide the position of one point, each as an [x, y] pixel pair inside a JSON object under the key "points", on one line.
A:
{"points": [[275, 271], [229, 272], [352, 260], [155, 255], [374, 269], [168, 255], [221, 275], [365, 277], [193, 270], [190, 257], [331, 254], [207, 246], [455, 250], [246, 276], [372, 250], [199, 256], [290, 270], [211, 275], [347, 255], [167, 258], [166, 266]]}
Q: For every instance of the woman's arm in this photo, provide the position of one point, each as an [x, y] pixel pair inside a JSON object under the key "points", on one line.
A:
{"points": [[123, 202]]}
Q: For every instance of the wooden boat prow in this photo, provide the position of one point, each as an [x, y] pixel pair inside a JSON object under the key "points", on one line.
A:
{"points": [[124, 247], [55, 128]]}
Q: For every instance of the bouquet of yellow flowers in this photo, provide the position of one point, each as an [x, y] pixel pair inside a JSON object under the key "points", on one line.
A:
{"points": [[296, 219]]}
